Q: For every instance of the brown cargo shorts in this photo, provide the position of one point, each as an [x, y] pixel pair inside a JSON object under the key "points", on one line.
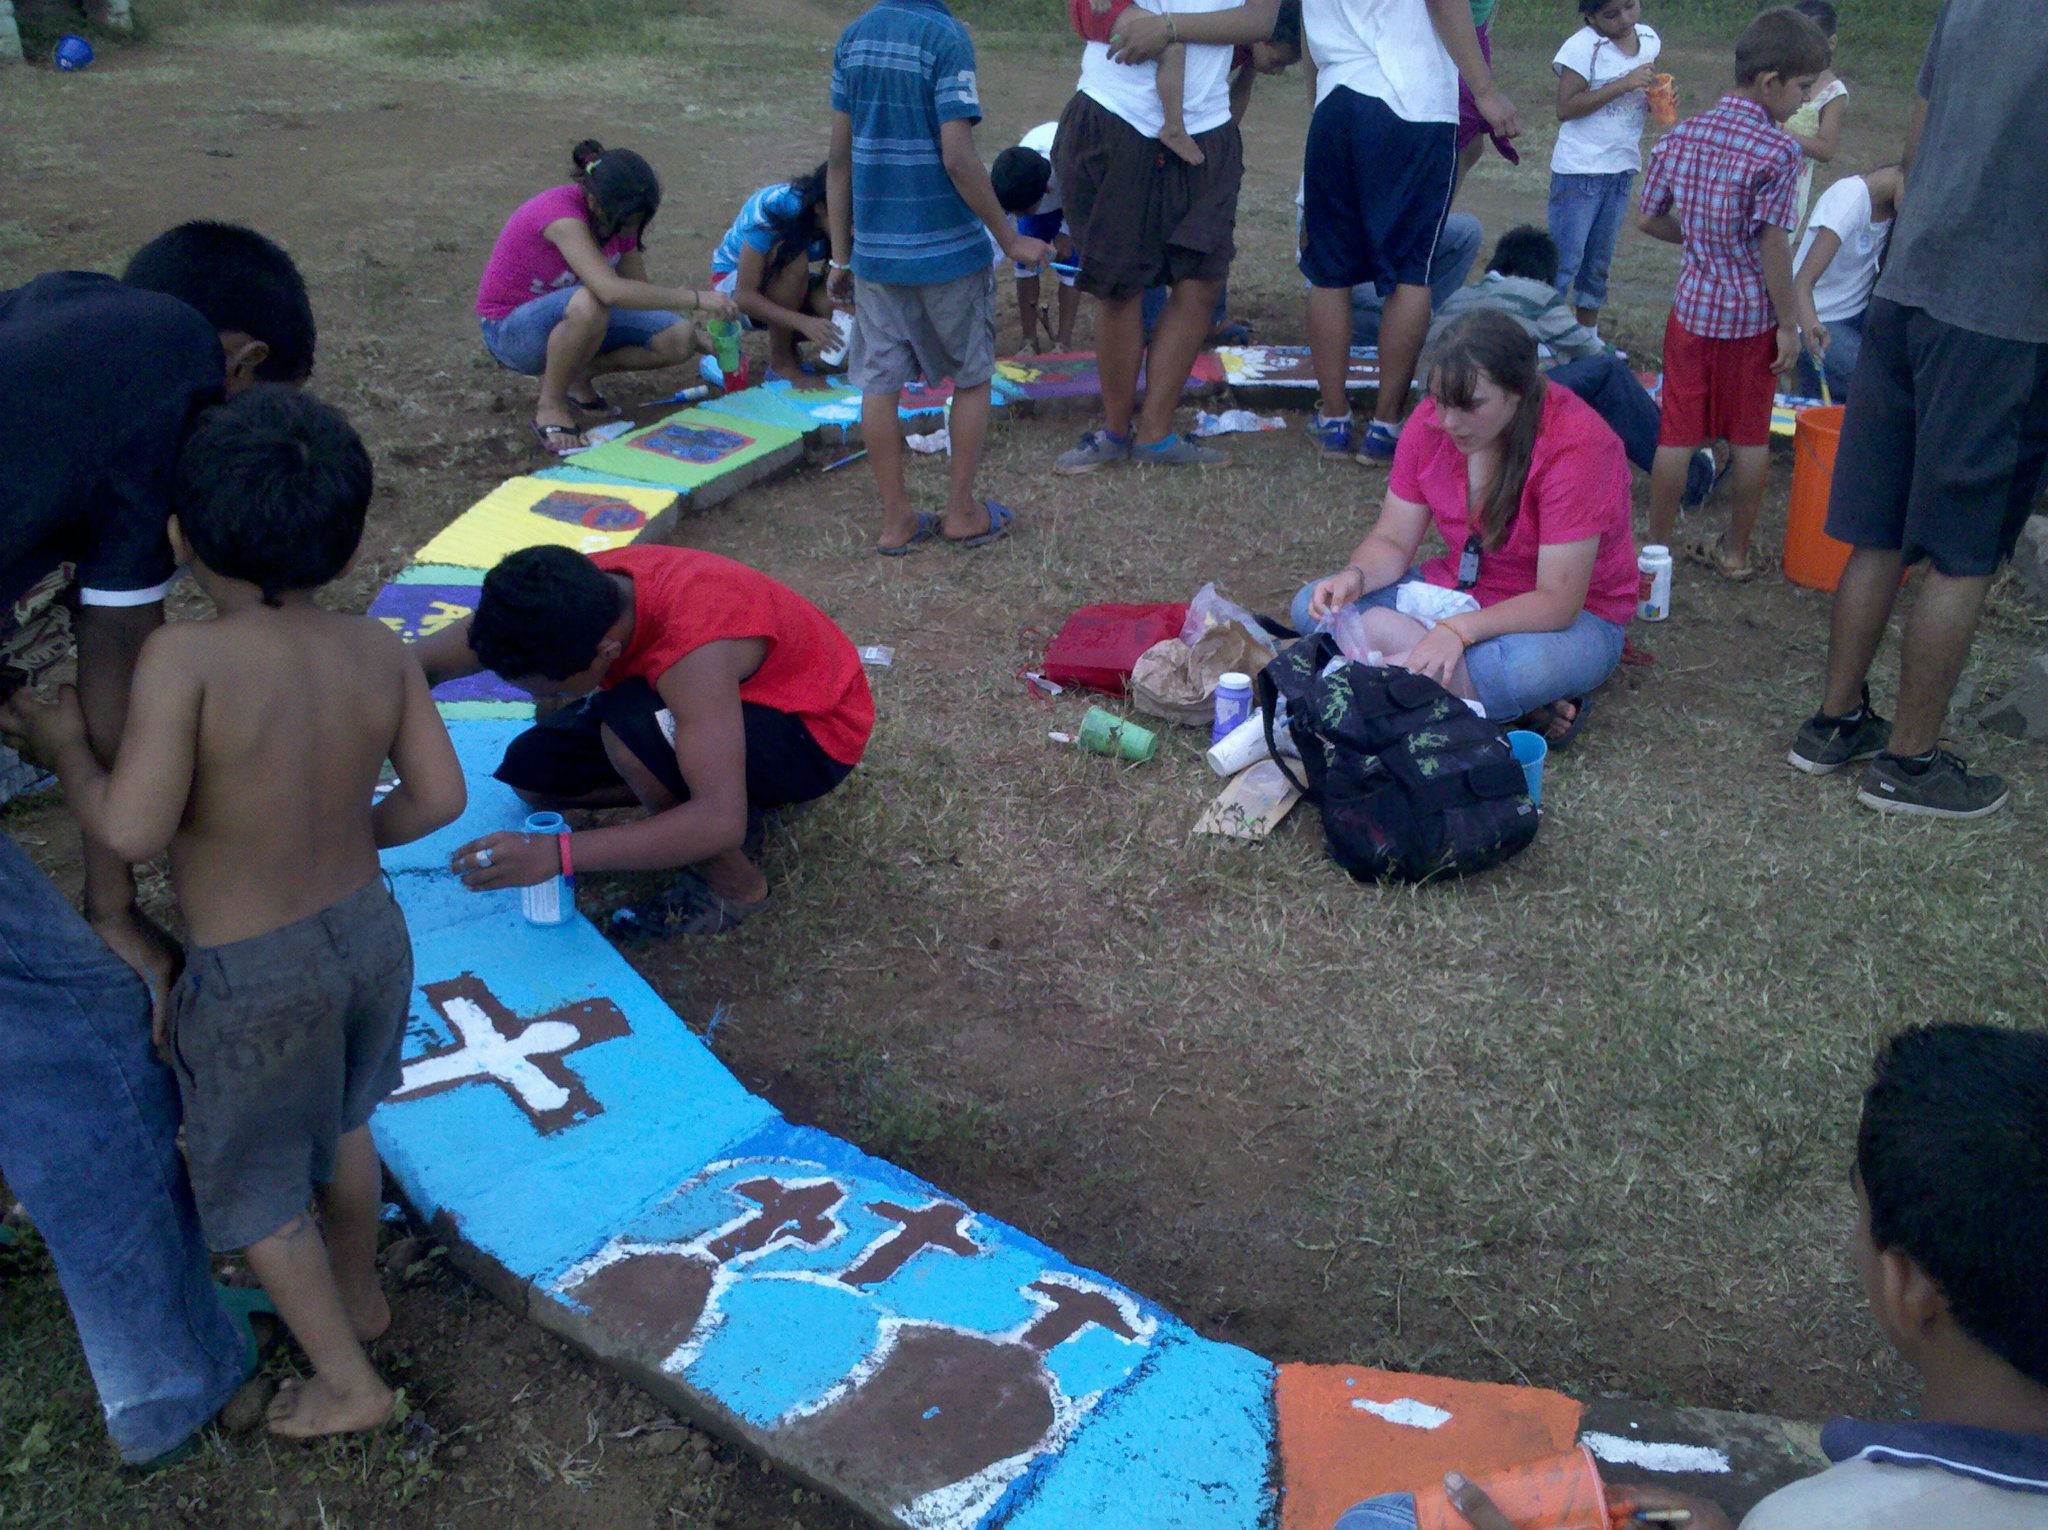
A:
{"points": [[282, 1044]]}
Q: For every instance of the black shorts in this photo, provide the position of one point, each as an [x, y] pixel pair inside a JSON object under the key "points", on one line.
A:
{"points": [[1141, 216], [1944, 442], [1378, 188], [563, 757]]}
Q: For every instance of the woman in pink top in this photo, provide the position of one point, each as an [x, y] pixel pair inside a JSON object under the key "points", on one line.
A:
{"points": [[565, 294], [1529, 490]]}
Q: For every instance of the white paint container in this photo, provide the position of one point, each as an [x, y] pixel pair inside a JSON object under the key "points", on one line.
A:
{"points": [[842, 321], [554, 901], [1241, 748], [1653, 590]]}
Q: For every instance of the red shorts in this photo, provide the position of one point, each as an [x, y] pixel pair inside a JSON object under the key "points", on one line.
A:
{"points": [[1717, 390], [1094, 28]]}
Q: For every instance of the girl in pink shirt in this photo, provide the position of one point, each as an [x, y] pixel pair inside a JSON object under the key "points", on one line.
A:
{"points": [[566, 288], [1529, 489]]}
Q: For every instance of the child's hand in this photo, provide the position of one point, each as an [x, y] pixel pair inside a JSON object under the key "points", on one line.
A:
{"points": [[1027, 252], [1788, 350], [717, 305], [1642, 77], [1500, 114], [1336, 592], [507, 860], [45, 728], [819, 332], [839, 287]]}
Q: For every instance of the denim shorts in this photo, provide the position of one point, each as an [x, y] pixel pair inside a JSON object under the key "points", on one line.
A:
{"points": [[1518, 671], [520, 339], [1586, 213]]}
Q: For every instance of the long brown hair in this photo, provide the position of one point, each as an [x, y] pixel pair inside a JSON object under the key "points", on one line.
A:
{"points": [[1490, 346]]}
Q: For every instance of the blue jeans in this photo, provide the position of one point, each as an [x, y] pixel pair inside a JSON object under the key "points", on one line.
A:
{"points": [[1389, 1511], [1585, 220], [1457, 247], [88, 1129], [1517, 671], [520, 339], [1845, 344], [1611, 388]]}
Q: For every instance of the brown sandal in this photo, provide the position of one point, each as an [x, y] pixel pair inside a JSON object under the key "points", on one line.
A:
{"points": [[1711, 552]]}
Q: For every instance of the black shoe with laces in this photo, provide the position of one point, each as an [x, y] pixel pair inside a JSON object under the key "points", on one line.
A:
{"points": [[1828, 744], [1943, 788]]}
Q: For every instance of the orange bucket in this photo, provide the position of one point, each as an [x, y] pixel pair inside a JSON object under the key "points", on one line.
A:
{"points": [[1557, 1493], [1812, 557]]}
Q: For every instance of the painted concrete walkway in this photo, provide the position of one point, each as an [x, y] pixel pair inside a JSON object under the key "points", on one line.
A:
{"points": [[591, 1162]]}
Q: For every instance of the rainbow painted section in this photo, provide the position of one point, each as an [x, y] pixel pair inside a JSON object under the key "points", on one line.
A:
{"points": [[592, 1163]]}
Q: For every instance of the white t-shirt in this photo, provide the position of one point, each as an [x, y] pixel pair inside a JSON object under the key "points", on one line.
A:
{"points": [[1610, 140], [1039, 141], [1869, 1495], [1844, 288], [1382, 48], [1132, 90]]}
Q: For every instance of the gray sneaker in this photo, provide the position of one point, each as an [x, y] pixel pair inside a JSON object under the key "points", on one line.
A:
{"points": [[1826, 745], [1178, 451], [1097, 449], [1945, 789]]}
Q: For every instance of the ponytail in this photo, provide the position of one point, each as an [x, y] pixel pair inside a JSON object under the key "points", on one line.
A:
{"points": [[620, 184], [1490, 346]]}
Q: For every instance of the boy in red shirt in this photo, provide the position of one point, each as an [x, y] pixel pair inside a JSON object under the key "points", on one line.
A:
{"points": [[1724, 187], [708, 693]]}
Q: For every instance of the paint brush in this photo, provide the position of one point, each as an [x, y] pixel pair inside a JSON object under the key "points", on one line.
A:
{"points": [[1624, 1512], [845, 461], [1806, 346]]}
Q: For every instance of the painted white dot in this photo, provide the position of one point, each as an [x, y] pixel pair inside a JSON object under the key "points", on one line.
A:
{"points": [[1654, 1456], [1406, 1411]]}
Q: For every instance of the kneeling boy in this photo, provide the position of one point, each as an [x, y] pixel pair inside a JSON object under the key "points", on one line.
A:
{"points": [[712, 695], [252, 747]]}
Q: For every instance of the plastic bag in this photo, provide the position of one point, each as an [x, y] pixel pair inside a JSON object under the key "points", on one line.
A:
{"points": [[1211, 608]]}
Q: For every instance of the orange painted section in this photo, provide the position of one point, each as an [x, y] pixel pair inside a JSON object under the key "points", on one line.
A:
{"points": [[1334, 1452]]}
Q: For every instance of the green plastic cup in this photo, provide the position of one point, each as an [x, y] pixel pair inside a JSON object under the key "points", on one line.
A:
{"points": [[1106, 733], [725, 343]]}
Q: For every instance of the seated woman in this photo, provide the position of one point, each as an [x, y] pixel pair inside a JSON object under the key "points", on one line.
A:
{"points": [[1530, 491], [566, 289], [1837, 271], [770, 263]]}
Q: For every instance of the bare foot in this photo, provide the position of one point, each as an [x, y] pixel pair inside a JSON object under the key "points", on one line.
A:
{"points": [[1182, 143], [307, 1410], [369, 1314]]}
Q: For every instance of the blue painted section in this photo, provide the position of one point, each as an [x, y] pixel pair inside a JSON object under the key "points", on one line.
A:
{"points": [[570, 473], [771, 406], [1188, 1446]]}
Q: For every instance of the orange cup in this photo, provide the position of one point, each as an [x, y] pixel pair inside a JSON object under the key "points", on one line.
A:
{"points": [[1663, 100], [1557, 1493]]}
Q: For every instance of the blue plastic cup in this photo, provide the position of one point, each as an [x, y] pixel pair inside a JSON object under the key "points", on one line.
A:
{"points": [[1530, 750], [73, 52]]}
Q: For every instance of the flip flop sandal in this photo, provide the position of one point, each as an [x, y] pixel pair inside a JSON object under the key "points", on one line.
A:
{"points": [[1000, 518], [927, 528], [1710, 552], [597, 403], [687, 907], [548, 436], [1571, 729], [244, 1304]]}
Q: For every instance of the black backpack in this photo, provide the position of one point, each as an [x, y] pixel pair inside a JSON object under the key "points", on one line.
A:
{"points": [[1412, 783]]}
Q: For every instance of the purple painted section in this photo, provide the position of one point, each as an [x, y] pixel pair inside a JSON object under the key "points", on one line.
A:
{"points": [[415, 611]]}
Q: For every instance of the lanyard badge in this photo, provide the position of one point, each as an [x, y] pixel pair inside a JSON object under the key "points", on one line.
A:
{"points": [[1468, 563]]}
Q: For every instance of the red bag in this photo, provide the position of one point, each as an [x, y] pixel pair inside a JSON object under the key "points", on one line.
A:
{"points": [[1099, 646]]}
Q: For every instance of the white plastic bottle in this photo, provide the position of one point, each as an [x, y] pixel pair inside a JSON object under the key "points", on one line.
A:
{"points": [[1653, 590]]}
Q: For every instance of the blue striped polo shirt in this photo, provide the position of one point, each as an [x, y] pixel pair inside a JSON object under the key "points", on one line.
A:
{"points": [[899, 72]]}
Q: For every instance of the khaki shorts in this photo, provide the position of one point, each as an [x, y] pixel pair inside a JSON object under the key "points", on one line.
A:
{"points": [[946, 329], [282, 1044]]}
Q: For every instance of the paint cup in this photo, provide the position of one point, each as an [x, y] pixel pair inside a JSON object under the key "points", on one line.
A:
{"points": [[842, 325], [1663, 95], [1106, 733], [73, 53], [1557, 1493], [724, 335], [1530, 750], [554, 901]]}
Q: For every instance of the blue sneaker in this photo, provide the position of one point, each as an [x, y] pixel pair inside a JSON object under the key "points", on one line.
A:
{"points": [[1377, 449], [1333, 437]]}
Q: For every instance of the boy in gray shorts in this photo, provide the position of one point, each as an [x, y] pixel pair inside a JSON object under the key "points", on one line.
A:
{"points": [[913, 215], [253, 745]]}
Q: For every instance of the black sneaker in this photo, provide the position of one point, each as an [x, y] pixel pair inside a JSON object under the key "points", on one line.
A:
{"points": [[1945, 789], [1828, 744]]}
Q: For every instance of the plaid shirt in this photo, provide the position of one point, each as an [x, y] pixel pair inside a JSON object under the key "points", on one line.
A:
{"points": [[1730, 171]]}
